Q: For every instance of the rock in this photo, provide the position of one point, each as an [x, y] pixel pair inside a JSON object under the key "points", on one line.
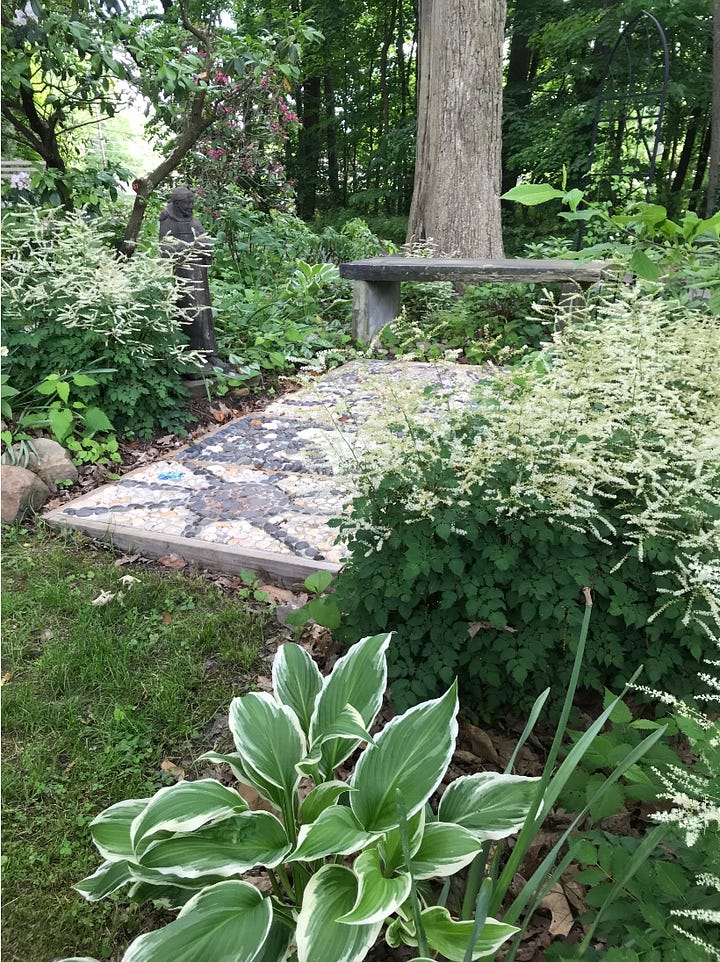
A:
{"points": [[21, 490], [54, 463]]}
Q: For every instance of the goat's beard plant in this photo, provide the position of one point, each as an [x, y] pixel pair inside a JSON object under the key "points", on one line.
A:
{"points": [[596, 462], [342, 860]]}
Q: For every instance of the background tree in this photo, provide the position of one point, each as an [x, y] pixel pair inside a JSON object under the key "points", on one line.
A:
{"points": [[458, 159]]}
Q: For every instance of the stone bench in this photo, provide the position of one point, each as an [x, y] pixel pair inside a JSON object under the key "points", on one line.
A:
{"points": [[377, 280]]}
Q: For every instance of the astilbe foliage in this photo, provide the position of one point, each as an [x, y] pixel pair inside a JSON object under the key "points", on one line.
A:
{"points": [[597, 464], [72, 303]]}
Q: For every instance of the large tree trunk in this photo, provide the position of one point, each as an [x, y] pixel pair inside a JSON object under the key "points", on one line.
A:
{"points": [[458, 165], [714, 178]]}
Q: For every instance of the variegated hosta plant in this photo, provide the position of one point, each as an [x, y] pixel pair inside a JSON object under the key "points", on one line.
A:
{"points": [[343, 858]]}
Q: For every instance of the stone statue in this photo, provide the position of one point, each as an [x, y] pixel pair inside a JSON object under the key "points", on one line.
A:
{"points": [[183, 238]]}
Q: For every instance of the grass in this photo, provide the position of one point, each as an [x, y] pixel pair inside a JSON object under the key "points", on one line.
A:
{"points": [[95, 698]]}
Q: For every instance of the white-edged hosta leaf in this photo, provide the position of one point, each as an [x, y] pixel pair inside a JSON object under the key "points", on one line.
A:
{"points": [[331, 893], [184, 807], [107, 879], [390, 845], [335, 831], [297, 681], [451, 938], [444, 850], [227, 922], [228, 848], [410, 756], [168, 896], [348, 724], [400, 932], [321, 797], [79, 958], [489, 804], [111, 829], [358, 679], [253, 779], [378, 897], [270, 740], [276, 946]]}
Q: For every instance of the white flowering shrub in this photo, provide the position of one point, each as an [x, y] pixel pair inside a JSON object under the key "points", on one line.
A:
{"points": [[596, 464], [70, 302]]}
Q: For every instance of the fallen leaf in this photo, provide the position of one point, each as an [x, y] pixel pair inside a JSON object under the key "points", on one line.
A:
{"points": [[69, 766], [562, 919], [129, 580], [264, 683], [256, 423], [5, 678], [171, 769], [104, 598], [278, 596], [173, 561], [480, 743], [221, 412], [126, 559], [166, 617], [255, 801], [47, 635]]}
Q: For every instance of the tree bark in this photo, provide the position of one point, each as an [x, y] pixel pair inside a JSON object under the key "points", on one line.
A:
{"points": [[714, 178], [308, 155], [458, 164]]}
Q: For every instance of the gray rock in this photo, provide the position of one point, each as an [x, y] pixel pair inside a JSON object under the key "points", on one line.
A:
{"points": [[54, 463], [21, 491]]}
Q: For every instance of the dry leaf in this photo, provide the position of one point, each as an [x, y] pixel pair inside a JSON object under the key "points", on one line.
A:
{"points": [[173, 561], [166, 617], [264, 683], [128, 580], [69, 766], [256, 423], [171, 769], [480, 743], [126, 559], [47, 635], [221, 412], [278, 596], [105, 597], [5, 678], [562, 919], [255, 801]]}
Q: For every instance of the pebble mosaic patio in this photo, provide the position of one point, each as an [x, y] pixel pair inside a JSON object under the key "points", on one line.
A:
{"points": [[258, 492]]}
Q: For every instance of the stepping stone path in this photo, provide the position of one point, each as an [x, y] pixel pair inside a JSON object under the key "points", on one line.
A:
{"points": [[258, 492]]}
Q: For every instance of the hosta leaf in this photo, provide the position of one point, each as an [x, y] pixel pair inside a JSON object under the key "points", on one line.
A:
{"points": [[244, 775], [297, 681], [107, 879], [444, 850], [378, 897], [335, 831], [277, 943], [270, 740], [390, 845], [330, 894], [488, 804], [228, 848], [348, 724], [111, 829], [184, 807], [451, 938], [410, 756], [321, 797], [357, 679], [227, 922]]}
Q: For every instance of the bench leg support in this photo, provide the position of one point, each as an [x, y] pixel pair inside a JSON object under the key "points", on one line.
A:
{"points": [[374, 304]]}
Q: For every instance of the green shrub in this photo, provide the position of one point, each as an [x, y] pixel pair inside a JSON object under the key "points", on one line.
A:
{"points": [[71, 303], [596, 465]]}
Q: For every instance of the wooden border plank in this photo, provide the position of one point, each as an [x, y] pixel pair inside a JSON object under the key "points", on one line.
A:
{"points": [[287, 571]]}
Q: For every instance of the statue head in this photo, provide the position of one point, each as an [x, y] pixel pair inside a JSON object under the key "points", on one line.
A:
{"points": [[183, 199]]}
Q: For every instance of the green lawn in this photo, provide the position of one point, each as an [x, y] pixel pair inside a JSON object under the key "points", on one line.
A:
{"points": [[95, 698]]}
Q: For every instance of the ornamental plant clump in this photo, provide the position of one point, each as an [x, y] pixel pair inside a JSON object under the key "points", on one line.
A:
{"points": [[596, 462], [71, 303], [343, 859]]}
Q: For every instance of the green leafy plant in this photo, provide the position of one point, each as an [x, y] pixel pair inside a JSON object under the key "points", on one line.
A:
{"points": [[470, 538], [322, 609], [83, 429], [683, 254], [72, 304], [191, 843]]}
